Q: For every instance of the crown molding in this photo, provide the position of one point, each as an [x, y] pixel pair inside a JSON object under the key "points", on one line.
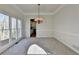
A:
{"points": [[50, 13], [58, 9], [14, 5], [37, 14]]}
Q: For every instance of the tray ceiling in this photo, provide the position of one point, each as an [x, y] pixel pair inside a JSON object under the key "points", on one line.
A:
{"points": [[33, 8]]}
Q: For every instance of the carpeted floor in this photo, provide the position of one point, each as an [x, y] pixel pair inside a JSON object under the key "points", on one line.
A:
{"points": [[50, 45]]}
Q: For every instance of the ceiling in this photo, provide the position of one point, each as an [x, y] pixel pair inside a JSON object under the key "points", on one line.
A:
{"points": [[33, 8]]}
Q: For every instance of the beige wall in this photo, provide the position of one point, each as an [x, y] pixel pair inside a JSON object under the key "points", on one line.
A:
{"points": [[66, 25]]}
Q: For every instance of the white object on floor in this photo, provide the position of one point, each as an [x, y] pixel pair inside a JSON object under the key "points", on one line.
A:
{"points": [[35, 49]]}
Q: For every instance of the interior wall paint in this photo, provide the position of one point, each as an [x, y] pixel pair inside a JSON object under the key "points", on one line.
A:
{"points": [[66, 25], [44, 29]]}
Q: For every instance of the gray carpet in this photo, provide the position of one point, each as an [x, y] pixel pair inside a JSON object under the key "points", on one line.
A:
{"points": [[50, 45]]}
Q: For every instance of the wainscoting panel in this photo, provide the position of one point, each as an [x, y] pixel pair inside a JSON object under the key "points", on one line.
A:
{"points": [[69, 39]]}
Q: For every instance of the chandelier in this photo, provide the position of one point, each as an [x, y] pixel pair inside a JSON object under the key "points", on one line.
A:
{"points": [[38, 19]]}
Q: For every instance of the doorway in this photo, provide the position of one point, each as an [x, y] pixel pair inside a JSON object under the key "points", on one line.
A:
{"points": [[32, 28]]}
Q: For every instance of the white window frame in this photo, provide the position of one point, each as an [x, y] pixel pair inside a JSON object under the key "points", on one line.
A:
{"points": [[20, 28], [10, 24]]}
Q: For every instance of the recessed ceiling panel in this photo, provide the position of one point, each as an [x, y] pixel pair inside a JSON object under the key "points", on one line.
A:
{"points": [[33, 8]]}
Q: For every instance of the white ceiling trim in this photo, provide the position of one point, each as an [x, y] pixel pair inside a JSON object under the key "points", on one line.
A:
{"points": [[18, 8], [53, 13], [58, 9], [37, 13]]}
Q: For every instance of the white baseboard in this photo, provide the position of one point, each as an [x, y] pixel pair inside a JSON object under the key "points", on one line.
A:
{"points": [[60, 38], [71, 47]]}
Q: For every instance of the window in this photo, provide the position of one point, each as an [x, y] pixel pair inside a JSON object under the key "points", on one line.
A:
{"points": [[13, 29], [4, 29], [19, 28], [10, 29]]}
